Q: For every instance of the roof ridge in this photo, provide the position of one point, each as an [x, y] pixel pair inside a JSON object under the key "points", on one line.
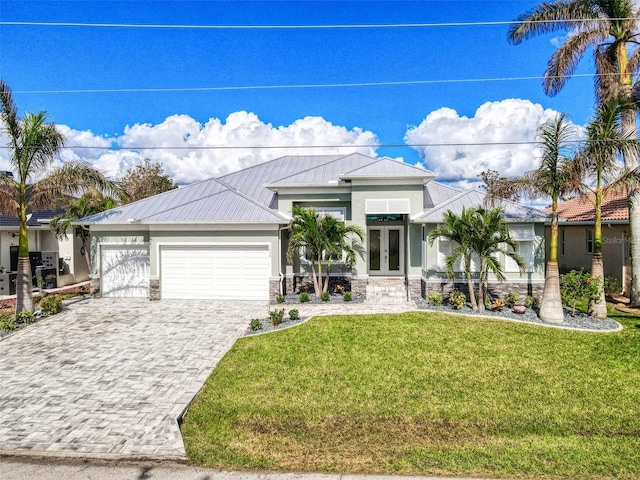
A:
{"points": [[260, 164], [255, 202], [315, 167]]}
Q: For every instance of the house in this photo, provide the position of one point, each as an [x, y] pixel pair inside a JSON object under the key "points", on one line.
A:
{"points": [[575, 235], [226, 238], [64, 256]]}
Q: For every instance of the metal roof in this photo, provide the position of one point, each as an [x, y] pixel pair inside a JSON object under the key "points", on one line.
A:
{"points": [[436, 193], [209, 201], [327, 173], [386, 167], [513, 212]]}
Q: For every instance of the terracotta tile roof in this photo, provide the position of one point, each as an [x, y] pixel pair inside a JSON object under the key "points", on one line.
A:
{"points": [[581, 209]]}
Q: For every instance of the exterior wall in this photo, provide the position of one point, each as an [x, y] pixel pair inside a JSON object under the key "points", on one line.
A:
{"points": [[101, 237], [615, 249], [415, 193]]}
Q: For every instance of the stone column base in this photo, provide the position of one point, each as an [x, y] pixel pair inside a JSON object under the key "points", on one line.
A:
{"points": [[154, 289]]}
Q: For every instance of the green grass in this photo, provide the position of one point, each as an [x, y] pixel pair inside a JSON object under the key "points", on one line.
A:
{"points": [[425, 393]]}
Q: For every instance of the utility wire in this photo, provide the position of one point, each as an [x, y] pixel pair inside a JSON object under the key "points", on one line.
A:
{"points": [[299, 27], [299, 86]]}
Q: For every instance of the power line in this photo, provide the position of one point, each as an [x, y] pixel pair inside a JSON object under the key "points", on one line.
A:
{"points": [[297, 27], [298, 86], [267, 147]]}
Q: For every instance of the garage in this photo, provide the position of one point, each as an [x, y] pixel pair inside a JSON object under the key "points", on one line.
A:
{"points": [[124, 271], [235, 272]]}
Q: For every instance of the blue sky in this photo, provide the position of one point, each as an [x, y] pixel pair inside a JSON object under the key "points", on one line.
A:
{"points": [[57, 60]]}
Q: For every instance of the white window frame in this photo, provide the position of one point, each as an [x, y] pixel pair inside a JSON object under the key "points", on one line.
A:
{"points": [[589, 240], [339, 213]]}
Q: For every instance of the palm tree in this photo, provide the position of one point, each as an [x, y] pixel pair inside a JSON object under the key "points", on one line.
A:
{"points": [[482, 235], [337, 245], [458, 230], [33, 147], [609, 27], [608, 140], [75, 209], [557, 177], [490, 238], [320, 236]]}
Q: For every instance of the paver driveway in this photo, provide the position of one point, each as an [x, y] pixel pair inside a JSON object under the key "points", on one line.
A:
{"points": [[112, 376]]}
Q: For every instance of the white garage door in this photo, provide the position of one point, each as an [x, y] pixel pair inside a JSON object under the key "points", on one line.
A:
{"points": [[215, 272], [125, 271]]}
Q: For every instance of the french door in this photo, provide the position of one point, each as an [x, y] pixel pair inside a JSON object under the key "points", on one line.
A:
{"points": [[385, 250]]}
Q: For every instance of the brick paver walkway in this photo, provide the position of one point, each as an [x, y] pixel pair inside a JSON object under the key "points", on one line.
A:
{"points": [[112, 376]]}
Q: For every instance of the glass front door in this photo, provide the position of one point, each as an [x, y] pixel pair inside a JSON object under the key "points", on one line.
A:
{"points": [[385, 250]]}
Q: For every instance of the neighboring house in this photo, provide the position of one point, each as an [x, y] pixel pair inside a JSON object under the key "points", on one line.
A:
{"points": [[226, 238], [64, 255], [575, 235]]}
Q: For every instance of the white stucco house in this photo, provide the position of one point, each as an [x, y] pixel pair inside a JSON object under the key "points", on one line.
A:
{"points": [[226, 238]]}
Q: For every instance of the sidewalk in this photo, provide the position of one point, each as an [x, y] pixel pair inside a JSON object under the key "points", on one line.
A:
{"points": [[56, 469]]}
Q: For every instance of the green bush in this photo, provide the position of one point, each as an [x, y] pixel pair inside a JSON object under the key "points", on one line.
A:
{"points": [[325, 296], [25, 316], [276, 316], [511, 299], [457, 299], [577, 286], [50, 305], [611, 286], [7, 323], [532, 302], [280, 298], [347, 296], [255, 324], [435, 299], [294, 314], [304, 297]]}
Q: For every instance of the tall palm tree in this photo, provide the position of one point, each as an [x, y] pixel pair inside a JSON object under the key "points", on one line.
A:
{"points": [[609, 27], [33, 148], [608, 140], [557, 177], [320, 236], [75, 209], [458, 230]]}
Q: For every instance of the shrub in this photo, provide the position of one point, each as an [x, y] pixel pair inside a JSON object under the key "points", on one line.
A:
{"points": [[497, 304], [7, 323], [578, 285], [435, 299], [255, 324], [611, 286], [280, 298], [25, 316], [511, 299], [276, 316], [347, 296], [294, 314], [50, 305], [457, 299], [304, 297], [325, 296], [532, 302]]}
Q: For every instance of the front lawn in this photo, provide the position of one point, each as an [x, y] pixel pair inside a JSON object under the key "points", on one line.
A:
{"points": [[425, 393]]}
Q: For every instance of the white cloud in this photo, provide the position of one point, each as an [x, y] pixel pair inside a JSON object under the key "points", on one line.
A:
{"points": [[511, 123], [189, 161]]}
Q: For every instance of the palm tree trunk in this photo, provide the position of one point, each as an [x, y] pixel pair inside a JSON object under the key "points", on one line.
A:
{"points": [[629, 122], [24, 292], [316, 285], [472, 293], [598, 308], [551, 306]]}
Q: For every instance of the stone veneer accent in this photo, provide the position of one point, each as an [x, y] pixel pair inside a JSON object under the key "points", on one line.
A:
{"points": [[415, 287], [94, 287], [359, 286], [274, 288], [154, 289], [495, 289]]}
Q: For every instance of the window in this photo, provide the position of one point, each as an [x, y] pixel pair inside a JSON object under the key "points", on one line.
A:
{"points": [[526, 251], [589, 240], [562, 231], [338, 212]]}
